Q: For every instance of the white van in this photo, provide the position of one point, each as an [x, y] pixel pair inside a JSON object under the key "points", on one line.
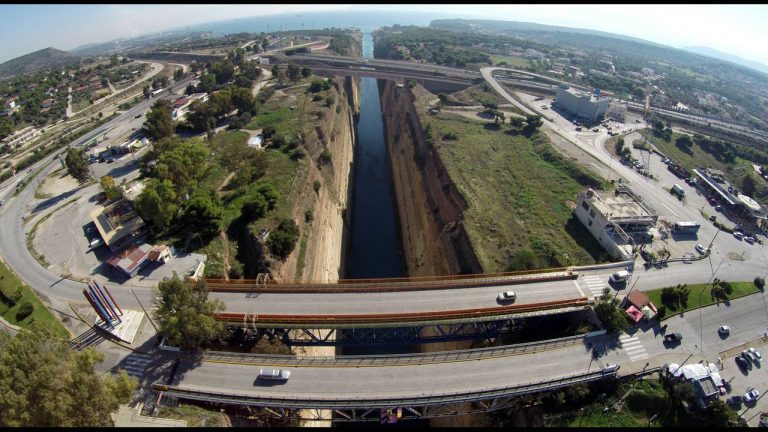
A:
{"points": [[620, 276]]}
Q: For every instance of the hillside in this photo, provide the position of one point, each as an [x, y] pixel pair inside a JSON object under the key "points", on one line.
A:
{"points": [[711, 52], [37, 60]]}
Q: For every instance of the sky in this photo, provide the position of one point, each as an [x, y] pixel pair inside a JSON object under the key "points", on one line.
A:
{"points": [[734, 29]]}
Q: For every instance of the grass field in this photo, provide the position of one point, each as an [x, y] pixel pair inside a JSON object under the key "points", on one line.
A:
{"points": [[511, 60], [15, 290], [510, 209], [698, 298]]}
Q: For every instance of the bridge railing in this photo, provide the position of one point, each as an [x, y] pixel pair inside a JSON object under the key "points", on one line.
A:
{"points": [[394, 284], [404, 317], [390, 359], [329, 402]]}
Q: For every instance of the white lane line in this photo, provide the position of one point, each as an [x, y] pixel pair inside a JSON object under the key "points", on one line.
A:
{"points": [[578, 287], [673, 212]]}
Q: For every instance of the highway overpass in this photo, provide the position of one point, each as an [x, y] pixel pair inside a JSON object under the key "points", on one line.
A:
{"points": [[356, 387]]}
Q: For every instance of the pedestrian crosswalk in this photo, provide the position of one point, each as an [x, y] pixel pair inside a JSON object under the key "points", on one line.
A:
{"points": [[633, 347], [135, 364], [595, 284]]}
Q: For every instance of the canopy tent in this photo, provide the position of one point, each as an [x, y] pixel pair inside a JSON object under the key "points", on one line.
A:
{"points": [[634, 314]]}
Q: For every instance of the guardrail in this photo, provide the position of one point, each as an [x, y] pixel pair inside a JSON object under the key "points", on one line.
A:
{"points": [[393, 359], [405, 317], [392, 285], [325, 402]]}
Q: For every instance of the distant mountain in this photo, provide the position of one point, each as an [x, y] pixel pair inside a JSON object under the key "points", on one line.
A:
{"points": [[711, 52], [526, 27], [36, 61]]}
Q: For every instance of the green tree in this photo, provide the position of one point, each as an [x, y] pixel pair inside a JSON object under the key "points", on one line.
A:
{"points": [[223, 71], [222, 103], [77, 164], [748, 185], [516, 122], [113, 61], [159, 123], [46, 384], [184, 314], [282, 241], [759, 283], [306, 72], [189, 90], [207, 83], [157, 203], [106, 183], [202, 214], [184, 166], [619, 146], [294, 72], [201, 115], [178, 74], [264, 44], [443, 98], [145, 90], [243, 100], [610, 314]]}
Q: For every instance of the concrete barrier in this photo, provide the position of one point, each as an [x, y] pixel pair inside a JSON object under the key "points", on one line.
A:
{"points": [[630, 263]]}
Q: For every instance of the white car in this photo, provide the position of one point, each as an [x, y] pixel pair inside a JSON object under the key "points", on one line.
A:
{"points": [[749, 239], [274, 374], [738, 235], [756, 353], [506, 296], [724, 330], [751, 395]]}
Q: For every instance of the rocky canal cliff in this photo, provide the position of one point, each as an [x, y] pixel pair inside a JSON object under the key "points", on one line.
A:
{"points": [[429, 205]]}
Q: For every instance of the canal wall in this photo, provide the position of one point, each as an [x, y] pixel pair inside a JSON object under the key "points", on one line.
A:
{"points": [[430, 208]]}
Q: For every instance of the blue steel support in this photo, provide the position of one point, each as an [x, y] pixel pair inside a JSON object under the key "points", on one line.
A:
{"points": [[104, 303], [99, 310], [107, 301]]}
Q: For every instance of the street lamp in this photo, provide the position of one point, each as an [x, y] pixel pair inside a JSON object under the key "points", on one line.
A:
{"points": [[701, 324]]}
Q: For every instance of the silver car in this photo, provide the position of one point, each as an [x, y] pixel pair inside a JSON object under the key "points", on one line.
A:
{"points": [[506, 296], [274, 374]]}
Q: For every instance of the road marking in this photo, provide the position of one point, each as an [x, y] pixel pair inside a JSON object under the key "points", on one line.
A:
{"points": [[578, 287], [633, 347], [673, 212], [135, 364], [596, 284]]}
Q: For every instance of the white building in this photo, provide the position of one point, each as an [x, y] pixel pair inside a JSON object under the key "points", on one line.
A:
{"points": [[588, 106], [610, 216], [180, 106]]}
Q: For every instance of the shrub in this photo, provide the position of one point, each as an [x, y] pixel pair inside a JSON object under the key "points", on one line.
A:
{"points": [[759, 283], [317, 98], [24, 311], [283, 240], [309, 215], [316, 186]]}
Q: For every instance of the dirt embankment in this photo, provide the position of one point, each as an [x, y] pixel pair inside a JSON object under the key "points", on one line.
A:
{"points": [[325, 234], [430, 208]]}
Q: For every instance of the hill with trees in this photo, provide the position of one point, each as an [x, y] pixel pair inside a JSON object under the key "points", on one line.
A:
{"points": [[38, 60]]}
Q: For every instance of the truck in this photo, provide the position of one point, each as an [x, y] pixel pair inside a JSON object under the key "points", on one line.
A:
{"points": [[677, 190], [686, 227]]}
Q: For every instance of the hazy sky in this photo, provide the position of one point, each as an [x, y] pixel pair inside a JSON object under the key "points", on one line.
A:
{"points": [[735, 29]]}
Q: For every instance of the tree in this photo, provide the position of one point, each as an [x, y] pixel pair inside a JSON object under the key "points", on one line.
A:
{"points": [[202, 214], [443, 98], [532, 124], [77, 164], [748, 185], [113, 61], [242, 99], [516, 122], [207, 83], [222, 103], [201, 115], [157, 203], [293, 72], [178, 74], [107, 183], [223, 71], [184, 314], [46, 384], [306, 72], [619, 146], [610, 314], [159, 123], [145, 90], [264, 44], [282, 241], [189, 90], [759, 283]]}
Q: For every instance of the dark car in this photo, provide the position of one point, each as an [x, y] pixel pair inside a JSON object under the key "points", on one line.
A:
{"points": [[673, 337], [742, 362]]}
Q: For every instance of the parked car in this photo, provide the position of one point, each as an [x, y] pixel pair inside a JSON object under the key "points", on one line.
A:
{"points": [[724, 330], [742, 362], [738, 235], [751, 395], [110, 160], [756, 354], [673, 337], [620, 276], [506, 296], [749, 239], [701, 249], [749, 356], [274, 374], [713, 218]]}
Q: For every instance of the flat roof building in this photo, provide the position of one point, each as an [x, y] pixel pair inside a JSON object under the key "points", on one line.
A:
{"points": [[610, 215], [740, 204], [117, 224], [582, 104]]}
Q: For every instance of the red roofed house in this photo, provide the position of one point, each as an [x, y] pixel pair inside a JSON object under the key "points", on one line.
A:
{"points": [[131, 260]]}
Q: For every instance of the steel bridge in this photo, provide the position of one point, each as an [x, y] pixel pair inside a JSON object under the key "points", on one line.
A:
{"points": [[359, 409]]}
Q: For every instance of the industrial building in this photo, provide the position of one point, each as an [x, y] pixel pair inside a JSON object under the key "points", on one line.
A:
{"points": [[742, 207], [118, 224], [588, 106], [613, 218]]}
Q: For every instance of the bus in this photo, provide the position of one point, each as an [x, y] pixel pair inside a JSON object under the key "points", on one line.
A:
{"points": [[686, 227]]}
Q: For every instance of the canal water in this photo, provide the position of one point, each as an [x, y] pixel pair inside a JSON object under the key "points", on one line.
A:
{"points": [[375, 249]]}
